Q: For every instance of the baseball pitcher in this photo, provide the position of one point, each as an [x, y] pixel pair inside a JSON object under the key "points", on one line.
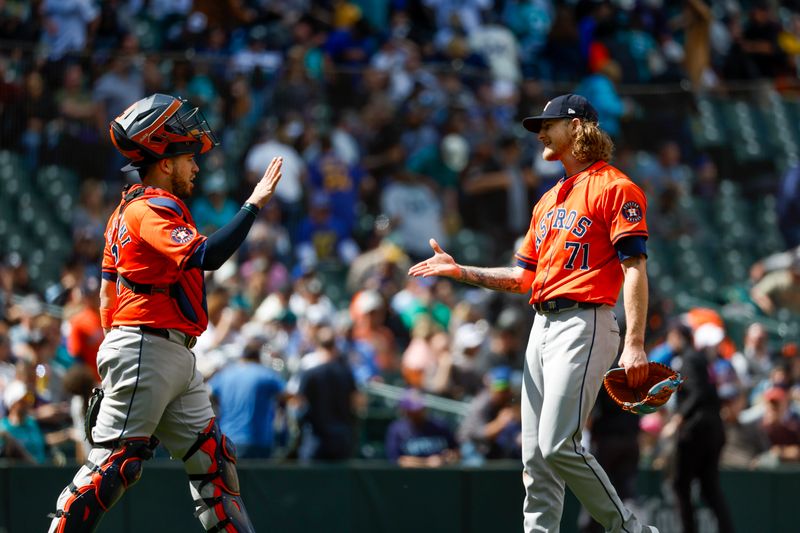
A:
{"points": [[585, 242]]}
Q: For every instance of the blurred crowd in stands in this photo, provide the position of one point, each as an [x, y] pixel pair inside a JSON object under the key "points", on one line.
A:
{"points": [[398, 121]]}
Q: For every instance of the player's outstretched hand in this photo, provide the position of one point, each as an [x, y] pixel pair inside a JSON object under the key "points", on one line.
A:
{"points": [[265, 188], [441, 264], [634, 361]]}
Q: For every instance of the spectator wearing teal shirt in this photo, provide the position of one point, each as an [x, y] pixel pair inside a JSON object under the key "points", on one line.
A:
{"points": [[600, 89], [20, 424]]}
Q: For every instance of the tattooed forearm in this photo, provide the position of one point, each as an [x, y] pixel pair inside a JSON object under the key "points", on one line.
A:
{"points": [[501, 279]]}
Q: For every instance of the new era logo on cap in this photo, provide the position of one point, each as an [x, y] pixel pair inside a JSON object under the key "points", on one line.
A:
{"points": [[564, 106]]}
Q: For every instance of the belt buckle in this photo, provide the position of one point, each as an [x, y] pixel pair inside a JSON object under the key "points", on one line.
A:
{"points": [[189, 341], [552, 306]]}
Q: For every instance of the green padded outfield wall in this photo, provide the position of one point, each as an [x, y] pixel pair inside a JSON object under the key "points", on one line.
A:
{"points": [[375, 498]]}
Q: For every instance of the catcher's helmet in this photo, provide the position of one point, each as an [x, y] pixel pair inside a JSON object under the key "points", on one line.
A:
{"points": [[158, 127]]}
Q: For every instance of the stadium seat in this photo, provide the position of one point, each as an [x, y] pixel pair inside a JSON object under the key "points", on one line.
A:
{"points": [[706, 126], [741, 122]]}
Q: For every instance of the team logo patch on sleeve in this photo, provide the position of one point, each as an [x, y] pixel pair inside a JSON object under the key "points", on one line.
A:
{"points": [[632, 212], [182, 235]]}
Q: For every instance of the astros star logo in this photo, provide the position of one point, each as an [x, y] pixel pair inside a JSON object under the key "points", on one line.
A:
{"points": [[182, 235], [632, 212]]}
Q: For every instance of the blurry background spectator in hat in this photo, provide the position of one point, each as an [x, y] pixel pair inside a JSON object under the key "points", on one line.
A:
{"points": [[20, 424], [328, 402], [699, 431], [710, 339], [214, 208], [754, 362], [24, 313], [460, 372], [418, 440], [23, 427], [781, 425], [302, 352], [368, 312], [247, 395], [492, 427], [308, 292]]}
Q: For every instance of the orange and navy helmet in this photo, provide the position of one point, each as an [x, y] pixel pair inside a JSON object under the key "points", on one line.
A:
{"points": [[158, 127]]}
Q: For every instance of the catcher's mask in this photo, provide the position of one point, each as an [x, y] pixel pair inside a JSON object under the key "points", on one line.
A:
{"points": [[158, 127]]}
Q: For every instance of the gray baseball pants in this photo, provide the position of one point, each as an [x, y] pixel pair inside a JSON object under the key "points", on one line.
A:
{"points": [[567, 356]]}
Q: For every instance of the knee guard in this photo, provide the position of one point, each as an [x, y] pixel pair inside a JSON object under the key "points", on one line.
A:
{"points": [[211, 465], [100, 483]]}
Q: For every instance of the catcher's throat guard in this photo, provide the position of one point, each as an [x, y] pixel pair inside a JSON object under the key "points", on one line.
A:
{"points": [[662, 382]]}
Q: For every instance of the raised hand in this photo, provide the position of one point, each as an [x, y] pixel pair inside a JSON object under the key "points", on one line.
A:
{"points": [[265, 188], [441, 264]]}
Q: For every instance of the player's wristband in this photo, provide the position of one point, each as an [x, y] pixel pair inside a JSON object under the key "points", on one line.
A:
{"points": [[106, 317], [251, 208]]}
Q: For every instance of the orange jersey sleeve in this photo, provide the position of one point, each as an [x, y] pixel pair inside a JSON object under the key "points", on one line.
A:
{"points": [[624, 204]]}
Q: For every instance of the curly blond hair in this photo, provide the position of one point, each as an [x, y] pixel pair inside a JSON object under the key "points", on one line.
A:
{"points": [[592, 143]]}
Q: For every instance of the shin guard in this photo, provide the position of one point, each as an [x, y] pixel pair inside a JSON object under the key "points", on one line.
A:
{"points": [[211, 465], [100, 483]]}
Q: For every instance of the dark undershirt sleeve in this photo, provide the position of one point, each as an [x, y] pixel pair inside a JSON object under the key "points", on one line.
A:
{"points": [[632, 246], [221, 244]]}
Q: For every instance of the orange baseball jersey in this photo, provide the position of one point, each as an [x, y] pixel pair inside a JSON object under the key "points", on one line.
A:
{"points": [[149, 244], [575, 225]]}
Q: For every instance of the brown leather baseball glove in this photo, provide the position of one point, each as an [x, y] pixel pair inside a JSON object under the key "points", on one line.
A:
{"points": [[661, 382]]}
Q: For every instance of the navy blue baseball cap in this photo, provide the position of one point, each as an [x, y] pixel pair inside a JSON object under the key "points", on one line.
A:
{"points": [[564, 106]]}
